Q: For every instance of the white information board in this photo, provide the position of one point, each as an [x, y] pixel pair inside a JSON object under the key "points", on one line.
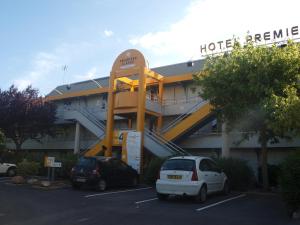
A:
{"points": [[50, 162], [133, 146]]}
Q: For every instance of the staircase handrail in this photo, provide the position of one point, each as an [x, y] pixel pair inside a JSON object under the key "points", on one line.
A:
{"points": [[91, 117], [172, 147], [82, 152], [183, 116]]}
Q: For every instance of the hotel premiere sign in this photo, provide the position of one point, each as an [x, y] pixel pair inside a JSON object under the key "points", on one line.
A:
{"points": [[266, 38]]}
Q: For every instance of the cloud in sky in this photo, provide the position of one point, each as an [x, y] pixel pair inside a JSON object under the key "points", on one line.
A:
{"points": [[42, 64], [108, 33], [208, 21], [91, 74], [46, 67]]}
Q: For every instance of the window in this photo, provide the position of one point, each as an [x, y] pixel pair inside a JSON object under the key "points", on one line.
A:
{"points": [[204, 165], [87, 162], [208, 165], [179, 164]]}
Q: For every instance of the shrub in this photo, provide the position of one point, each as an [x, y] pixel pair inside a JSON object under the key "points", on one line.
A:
{"points": [[28, 168], [289, 181], [240, 175], [273, 175], [67, 161], [152, 170]]}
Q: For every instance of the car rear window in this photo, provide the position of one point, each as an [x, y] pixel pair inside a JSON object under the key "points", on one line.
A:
{"points": [[179, 164], [87, 162]]}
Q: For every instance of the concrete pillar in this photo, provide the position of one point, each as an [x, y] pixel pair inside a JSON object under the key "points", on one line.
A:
{"points": [[225, 141], [77, 138]]}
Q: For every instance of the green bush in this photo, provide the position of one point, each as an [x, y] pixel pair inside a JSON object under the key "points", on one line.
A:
{"points": [[67, 161], [28, 168], [240, 175], [289, 181], [273, 175], [151, 172]]}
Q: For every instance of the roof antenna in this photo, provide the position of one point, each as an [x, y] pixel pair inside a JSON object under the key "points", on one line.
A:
{"points": [[64, 68]]}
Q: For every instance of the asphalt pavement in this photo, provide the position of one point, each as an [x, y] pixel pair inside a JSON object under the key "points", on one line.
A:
{"points": [[24, 205]]}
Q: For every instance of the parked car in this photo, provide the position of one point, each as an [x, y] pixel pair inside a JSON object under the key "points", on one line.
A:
{"points": [[8, 168], [102, 172], [191, 176]]}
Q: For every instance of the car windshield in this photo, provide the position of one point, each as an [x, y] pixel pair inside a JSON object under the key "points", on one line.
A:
{"points": [[86, 162], [179, 164]]}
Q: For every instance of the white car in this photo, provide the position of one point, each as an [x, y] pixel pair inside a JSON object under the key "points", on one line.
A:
{"points": [[191, 176], [8, 169]]}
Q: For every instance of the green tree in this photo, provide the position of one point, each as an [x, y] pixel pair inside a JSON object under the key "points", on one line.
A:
{"points": [[25, 115], [255, 89]]}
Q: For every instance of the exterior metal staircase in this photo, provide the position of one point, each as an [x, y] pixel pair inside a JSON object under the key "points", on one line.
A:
{"points": [[93, 124], [161, 147], [187, 121], [86, 119]]}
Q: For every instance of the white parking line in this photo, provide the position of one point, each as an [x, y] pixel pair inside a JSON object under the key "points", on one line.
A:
{"points": [[148, 200], [83, 220], [221, 202], [116, 192]]}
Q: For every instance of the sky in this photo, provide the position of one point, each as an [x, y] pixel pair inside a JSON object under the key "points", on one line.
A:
{"points": [[54, 42]]}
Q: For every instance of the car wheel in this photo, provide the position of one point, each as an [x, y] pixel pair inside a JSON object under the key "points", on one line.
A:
{"points": [[102, 185], [226, 188], [11, 172], [201, 197], [162, 197]]}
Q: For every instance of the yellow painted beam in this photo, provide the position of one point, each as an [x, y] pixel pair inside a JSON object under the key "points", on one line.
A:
{"points": [[178, 78], [151, 81], [74, 94], [188, 122], [153, 74], [95, 91], [152, 113], [125, 111], [126, 80], [96, 149]]}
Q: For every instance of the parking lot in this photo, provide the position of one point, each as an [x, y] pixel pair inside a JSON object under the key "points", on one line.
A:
{"points": [[25, 205]]}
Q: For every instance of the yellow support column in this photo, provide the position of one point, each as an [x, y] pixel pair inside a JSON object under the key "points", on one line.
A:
{"points": [[160, 101], [141, 102], [110, 117], [140, 123]]}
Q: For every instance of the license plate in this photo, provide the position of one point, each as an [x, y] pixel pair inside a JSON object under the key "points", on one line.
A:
{"points": [[176, 177], [80, 179]]}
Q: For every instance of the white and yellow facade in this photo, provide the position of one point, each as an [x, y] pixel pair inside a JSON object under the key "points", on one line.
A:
{"points": [[162, 103]]}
